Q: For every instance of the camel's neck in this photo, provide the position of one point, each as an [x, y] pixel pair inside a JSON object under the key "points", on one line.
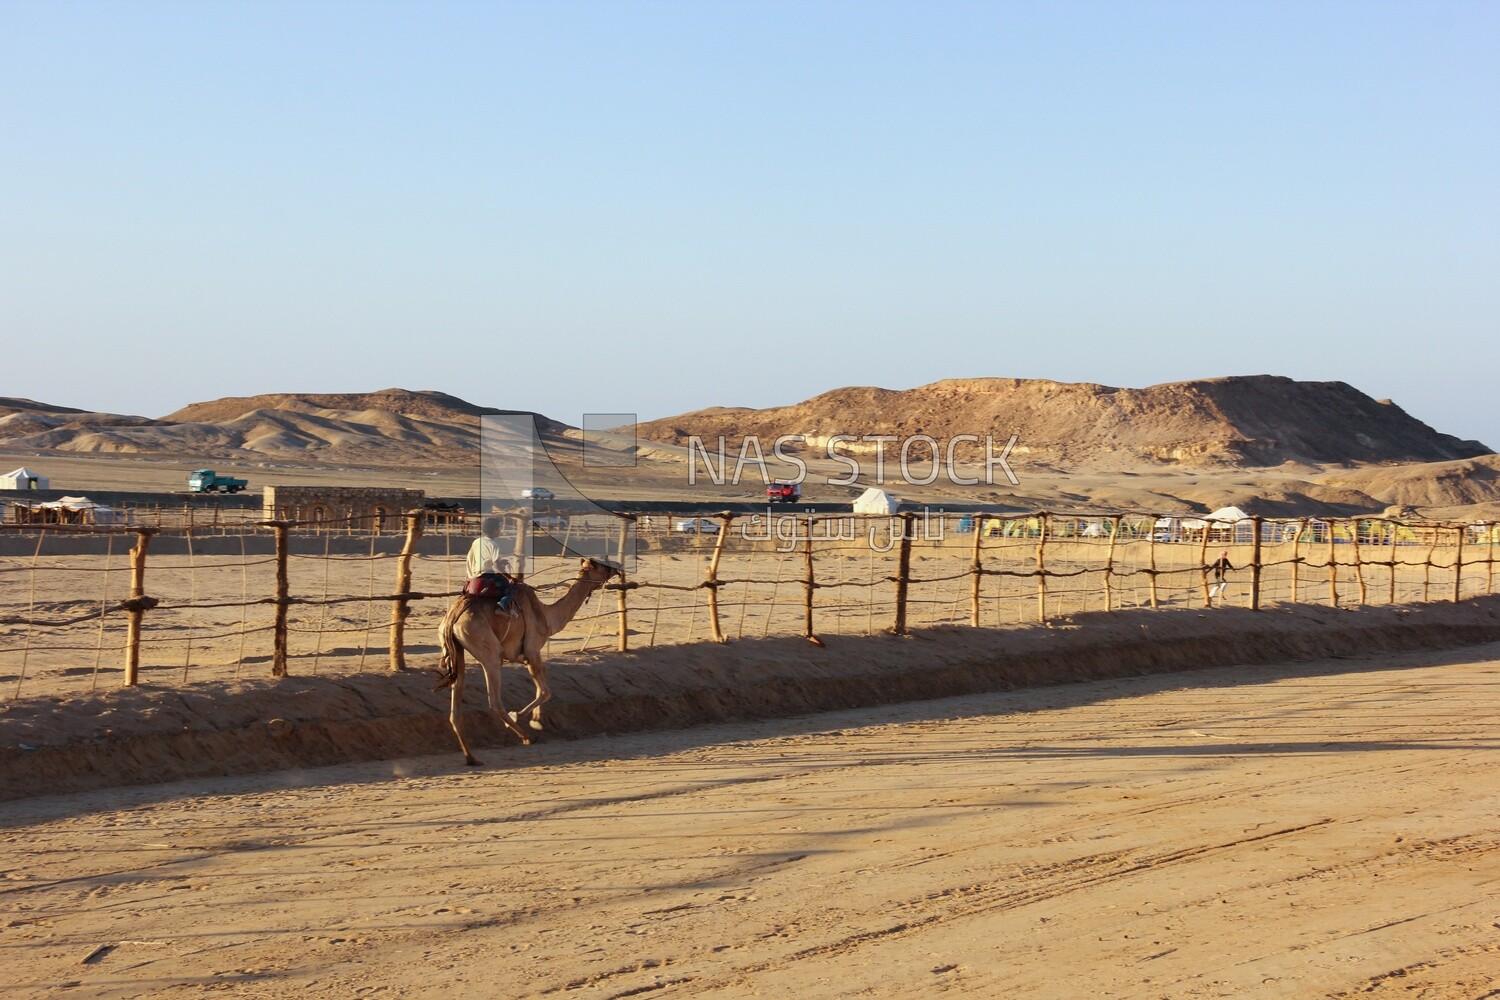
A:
{"points": [[561, 611]]}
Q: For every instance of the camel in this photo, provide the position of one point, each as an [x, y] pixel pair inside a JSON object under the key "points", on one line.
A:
{"points": [[493, 636]]}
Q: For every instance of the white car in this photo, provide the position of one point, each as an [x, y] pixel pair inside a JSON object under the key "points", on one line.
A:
{"points": [[537, 493], [697, 526]]}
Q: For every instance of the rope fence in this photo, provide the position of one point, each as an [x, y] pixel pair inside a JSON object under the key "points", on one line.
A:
{"points": [[88, 606], [198, 518]]}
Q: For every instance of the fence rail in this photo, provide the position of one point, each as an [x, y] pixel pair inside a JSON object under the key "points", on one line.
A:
{"points": [[208, 519], [181, 601]]}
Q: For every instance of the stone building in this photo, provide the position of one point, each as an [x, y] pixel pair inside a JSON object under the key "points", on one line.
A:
{"points": [[342, 508]]}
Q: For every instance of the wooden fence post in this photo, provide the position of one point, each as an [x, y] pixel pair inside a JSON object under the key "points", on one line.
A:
{"points": [[1255, 559], [622, 610], [1208, 600], [712, 583], [138, 605], [1109, 564], [976, 567], [809, 584], [1359, 566], [1458, 566], [622, 602], [903, 574], [1432, 535], [1297, 557], [1489, 562], [1041, 567], [283, 588], [401, 606], [624, 538], [1151, 568], [1333, 566], [1392, 525], [523, 528]]}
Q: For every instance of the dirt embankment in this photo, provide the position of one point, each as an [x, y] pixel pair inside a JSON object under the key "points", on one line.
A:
{"points": [[151, 734]]}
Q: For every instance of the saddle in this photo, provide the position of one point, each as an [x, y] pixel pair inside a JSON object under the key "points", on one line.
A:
{"points": [[496, 587]]}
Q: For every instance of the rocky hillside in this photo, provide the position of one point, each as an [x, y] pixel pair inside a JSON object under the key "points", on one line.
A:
{"points": [[428, 405], [1432, 485], [1247, 421], [390, 427]]}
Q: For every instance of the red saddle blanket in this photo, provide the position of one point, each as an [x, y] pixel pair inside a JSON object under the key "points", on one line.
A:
{"points": [[492, 585]]}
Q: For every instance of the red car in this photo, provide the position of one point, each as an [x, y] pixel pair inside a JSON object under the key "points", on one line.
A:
{"points": [[783, 493]]}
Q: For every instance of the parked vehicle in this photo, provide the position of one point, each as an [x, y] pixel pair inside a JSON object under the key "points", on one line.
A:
{"points": [[209, 481], [549, 522], [538, 493], [696, 526], [779, 492]]}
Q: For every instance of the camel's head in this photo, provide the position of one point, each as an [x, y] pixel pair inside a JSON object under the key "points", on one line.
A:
{"points": [[598, 570]]}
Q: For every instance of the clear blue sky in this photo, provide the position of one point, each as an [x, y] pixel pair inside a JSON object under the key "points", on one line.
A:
{"points": [[652, 207]]}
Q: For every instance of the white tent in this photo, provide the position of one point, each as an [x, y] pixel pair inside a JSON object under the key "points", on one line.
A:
{"points": [[1230, 524], [23, 479], [81, 510], [1176, 529], [876, 501]]}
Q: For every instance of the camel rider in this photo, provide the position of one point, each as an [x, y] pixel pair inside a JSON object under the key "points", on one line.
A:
{"points": [[488, 569]]}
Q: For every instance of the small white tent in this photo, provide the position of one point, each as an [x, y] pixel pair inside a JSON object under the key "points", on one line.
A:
{"points": [[1230, 524], [23, 479], [78, 510], [1177, 529], [876, 501]]}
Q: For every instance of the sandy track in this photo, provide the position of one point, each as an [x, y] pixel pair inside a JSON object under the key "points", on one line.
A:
{"points": [[1289, 831]]}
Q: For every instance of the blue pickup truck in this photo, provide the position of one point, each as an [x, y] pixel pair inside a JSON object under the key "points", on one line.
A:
{"points": [[209, 481]]}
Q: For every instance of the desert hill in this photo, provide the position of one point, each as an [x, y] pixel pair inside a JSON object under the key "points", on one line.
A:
{"points": [[392, 427], [1439, 485], [26, 420], [1242, 421], [422, 405], [15, 404], [1268, 445]]}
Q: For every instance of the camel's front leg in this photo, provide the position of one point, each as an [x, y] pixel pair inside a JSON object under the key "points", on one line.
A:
{"points": [[538, 671], [492, 686]]}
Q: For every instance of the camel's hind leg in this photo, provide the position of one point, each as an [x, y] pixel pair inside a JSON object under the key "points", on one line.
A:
{"points": [[451, 665], [481, 644], [456, 708]]}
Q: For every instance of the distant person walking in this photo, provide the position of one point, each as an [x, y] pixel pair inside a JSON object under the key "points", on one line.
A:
{"points": [[1220, 567]]}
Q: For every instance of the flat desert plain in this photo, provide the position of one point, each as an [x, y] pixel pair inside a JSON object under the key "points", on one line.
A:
{"points": [[1313, 830]]}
